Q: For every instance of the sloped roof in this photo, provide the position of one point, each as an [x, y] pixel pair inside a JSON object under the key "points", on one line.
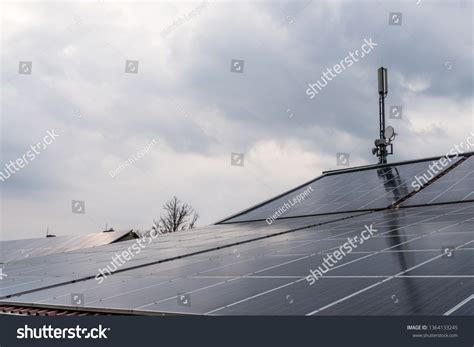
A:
{"points": [[30, 248], [419, 261]]}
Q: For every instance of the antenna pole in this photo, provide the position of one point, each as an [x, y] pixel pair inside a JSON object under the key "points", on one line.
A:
{"points": [[381, 143], [383, 148]]}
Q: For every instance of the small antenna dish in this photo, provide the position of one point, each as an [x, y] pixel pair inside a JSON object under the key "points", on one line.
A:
{"points": [[389, 132]]}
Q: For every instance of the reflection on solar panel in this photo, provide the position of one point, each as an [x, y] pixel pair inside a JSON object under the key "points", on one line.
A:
{"points": [[418, 262], [345, 191]]}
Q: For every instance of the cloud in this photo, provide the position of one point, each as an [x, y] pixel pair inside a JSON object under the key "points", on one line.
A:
{"points": [[185, 96]]}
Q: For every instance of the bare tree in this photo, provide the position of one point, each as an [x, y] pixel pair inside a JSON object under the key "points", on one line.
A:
{"points": [[178, 216]]}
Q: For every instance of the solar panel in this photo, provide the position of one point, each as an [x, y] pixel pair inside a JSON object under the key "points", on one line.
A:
{"points": [[457, 185], [31, 248], [394, 269], [410, 296], [56, 269], [342, 191]]}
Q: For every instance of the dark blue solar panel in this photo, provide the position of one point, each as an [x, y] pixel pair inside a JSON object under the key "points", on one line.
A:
{"points": [[339, 192], [399, 269], [457, 185]]}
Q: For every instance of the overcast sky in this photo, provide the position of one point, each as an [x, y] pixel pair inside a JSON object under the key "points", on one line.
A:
{"points": [[185, 110]]}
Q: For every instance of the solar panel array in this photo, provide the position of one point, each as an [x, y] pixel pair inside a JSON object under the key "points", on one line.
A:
{"points": [[419, 261], [55, 269], [457, 186], [30, 248], [346, 191]]}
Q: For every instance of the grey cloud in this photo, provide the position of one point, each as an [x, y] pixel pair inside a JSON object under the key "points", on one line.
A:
{"points": [[185, 96]]}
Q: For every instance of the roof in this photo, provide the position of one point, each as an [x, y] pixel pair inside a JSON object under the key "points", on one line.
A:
{"points": [[419, 259], [30, 248]]}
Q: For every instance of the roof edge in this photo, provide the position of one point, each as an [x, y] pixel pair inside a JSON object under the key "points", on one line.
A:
{"points": [[375, 166], [86, 309]]}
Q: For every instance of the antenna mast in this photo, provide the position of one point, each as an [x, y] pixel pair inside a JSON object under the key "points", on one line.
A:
{"points": [[383, 142]]}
